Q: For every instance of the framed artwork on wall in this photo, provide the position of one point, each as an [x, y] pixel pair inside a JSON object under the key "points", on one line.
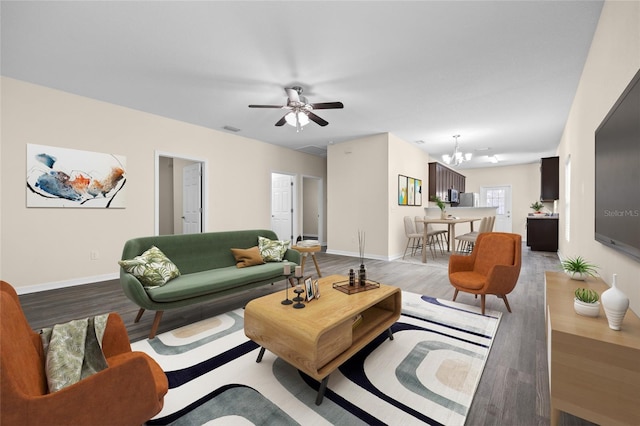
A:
{"points": [[63, 177], [409, 191], [402, 190]]}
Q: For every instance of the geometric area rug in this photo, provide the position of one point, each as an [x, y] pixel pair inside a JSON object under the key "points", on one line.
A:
{"points": [[427, 375]]}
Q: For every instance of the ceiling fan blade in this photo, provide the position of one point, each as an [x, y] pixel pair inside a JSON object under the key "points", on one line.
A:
{"points": [[317, 119], [293, 94], [281, 122], [328, 105], [267, 106]]}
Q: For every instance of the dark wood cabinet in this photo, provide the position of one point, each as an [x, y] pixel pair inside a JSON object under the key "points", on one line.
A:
{"points": [[442, 178], [549, 178], [542, 233]]}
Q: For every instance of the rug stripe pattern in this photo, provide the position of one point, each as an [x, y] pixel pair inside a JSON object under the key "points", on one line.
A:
{"points": [[427, 374]]}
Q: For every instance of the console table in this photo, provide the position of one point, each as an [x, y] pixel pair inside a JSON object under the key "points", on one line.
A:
{"points": [[594, 372]]}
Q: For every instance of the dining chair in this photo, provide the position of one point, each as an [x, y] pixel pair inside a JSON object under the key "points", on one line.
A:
{"points": [[414, 239]]}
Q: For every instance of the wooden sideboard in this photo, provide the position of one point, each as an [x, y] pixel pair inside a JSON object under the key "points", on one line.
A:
{"points": [[594, 372]]}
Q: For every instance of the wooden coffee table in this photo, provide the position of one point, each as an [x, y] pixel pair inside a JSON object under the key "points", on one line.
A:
{"points": [[321, 337]]}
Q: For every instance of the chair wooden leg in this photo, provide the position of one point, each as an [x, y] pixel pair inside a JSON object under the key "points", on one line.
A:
{"points": [[455, 294], [406, 248], [506, 302], [140, 312], [156, 323], [482, 299]]}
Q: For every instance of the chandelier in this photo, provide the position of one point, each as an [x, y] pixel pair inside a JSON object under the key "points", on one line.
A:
{"points": [[457, 157]]}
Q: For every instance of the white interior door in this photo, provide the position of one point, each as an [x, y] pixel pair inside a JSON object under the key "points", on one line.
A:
{"points": [[500, 197], [191, 199], [282, 206]]}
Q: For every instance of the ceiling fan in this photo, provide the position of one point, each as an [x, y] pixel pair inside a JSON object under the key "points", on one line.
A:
{"points": [[300, 110]]}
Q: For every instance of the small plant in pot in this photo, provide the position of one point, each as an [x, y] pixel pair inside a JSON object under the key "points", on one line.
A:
{"points": [[586, 302], [578, 269], [441, 205], [537, 207]]}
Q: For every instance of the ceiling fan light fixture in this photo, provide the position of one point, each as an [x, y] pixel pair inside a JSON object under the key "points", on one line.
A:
{"points": [[297, 118]]}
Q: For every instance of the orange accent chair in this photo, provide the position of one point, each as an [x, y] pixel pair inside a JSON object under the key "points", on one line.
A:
{"points": [[493, 267], [130, 391]]}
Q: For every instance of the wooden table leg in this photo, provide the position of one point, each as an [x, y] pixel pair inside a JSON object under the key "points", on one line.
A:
{"points": [[304, 257], [424, 244], [315, 261]]}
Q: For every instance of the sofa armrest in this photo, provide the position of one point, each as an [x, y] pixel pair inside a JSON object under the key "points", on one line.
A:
{"points": [[125, 393], [293, 256]]}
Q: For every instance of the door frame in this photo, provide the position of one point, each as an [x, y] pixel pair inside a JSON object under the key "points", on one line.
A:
{"points": [[156, 183], [294, 201], [320, 183]]}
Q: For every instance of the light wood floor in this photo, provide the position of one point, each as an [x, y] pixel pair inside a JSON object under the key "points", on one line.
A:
{"points": [[514, 389]]}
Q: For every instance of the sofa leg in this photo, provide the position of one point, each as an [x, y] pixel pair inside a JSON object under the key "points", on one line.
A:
{"points": [[140, 312], [455, 294], [156, 323], [482, 299]]}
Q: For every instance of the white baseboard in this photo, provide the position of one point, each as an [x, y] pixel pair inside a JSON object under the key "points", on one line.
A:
{"points": [[353, 254], [67, 283]]}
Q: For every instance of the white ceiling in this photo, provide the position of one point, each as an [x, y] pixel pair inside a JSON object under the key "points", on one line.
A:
{"points": [[502, 74]]}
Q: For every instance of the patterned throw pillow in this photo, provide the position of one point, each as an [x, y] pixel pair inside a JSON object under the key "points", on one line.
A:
{"points": [[247, 257], [152, 268], [272, 250]]}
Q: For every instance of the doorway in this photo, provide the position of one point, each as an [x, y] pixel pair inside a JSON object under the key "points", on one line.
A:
{"points": [[180, 194], [312, 207], [500, 197], [282, 205]]}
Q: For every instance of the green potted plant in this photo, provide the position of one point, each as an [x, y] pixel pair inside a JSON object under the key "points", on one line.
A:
{"points": [[586, 302], [441, 205], [537, 207], [578, 269]]}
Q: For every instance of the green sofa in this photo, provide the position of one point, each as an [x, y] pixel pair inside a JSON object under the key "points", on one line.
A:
{"points": [[207, 269]]}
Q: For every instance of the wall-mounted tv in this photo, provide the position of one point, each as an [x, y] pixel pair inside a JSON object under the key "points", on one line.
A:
{"points": [[617, 174]]}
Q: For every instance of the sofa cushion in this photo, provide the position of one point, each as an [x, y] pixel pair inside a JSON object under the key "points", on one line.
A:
{"points": [[247, 257], [214, 281], [272, 250], [152, 267]]}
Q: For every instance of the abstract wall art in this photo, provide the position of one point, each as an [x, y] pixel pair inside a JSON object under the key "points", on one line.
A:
{"points": [[63, 177], [409, 191]]}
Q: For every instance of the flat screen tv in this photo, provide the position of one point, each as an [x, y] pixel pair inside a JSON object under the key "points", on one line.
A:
{"points": [[617, 174]]}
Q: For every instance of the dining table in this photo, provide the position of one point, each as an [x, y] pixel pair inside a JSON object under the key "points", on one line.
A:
{"points": [[451, 222]]}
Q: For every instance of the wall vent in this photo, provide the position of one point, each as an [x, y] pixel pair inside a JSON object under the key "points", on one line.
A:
{"points": [[231, 129]]}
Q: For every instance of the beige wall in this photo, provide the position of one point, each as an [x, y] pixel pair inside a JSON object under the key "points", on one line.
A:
{"points": [[525, 189], [46, 247], [363, 194], [613, 60]]}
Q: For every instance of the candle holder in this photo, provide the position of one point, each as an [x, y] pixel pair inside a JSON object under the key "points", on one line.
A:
{"points": [[287, 301], [298, 299]]}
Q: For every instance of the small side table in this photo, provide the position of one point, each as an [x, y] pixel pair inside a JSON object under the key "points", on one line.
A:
{"points": [[306, 250]]}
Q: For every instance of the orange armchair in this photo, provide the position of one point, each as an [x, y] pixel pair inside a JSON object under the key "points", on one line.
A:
{"points": [[130, 391], [492, 268]]}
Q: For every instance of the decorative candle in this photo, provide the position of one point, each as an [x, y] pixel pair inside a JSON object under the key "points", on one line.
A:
{"points": [[298, 271], [286, 269]]}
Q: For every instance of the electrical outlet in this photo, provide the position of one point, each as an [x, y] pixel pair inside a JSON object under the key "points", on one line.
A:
{"points": [[94, 255]]}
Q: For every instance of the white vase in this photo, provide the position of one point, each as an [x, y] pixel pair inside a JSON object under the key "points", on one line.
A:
{"points": [[443, 214], [579, 276], [615, 304], [586, 309]]}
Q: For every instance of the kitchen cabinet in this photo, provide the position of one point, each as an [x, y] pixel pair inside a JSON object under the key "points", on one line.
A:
{"points": [[442, 178], [549, 178], [542, 233]]}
